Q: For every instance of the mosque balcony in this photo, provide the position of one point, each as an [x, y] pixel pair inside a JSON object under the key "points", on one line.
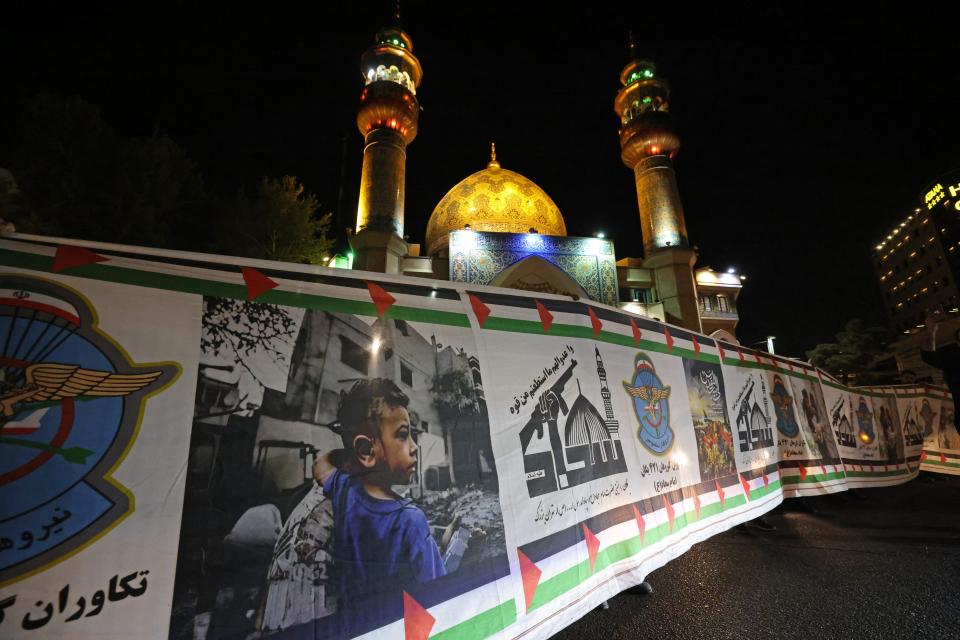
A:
{"points": [[648, 309]]}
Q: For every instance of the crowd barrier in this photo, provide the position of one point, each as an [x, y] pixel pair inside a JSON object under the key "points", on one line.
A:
{"points": [[174, 429]]}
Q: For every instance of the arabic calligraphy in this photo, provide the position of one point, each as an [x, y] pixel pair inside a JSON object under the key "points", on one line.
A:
{"points": [[711, 384], [27, 537], [538, 381], [549, 511], [661, 467], [132, 585]]}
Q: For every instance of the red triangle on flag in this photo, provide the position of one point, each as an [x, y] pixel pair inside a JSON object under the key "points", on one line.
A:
{"points": [[886, 468], [666, 334], [595, 322], [257, 283], [68, 257], [824, 469], [757, 358], [803, 471], [670, 513], [740, 353], [819, 376], [480, 310], [641, 525], [722, 354], [546, 318], [746, 486], [766, 480], [696, 345], [530, 575], [636, 332], [943, 459], [381, 299], [593, 545], [696, 503], [790, 365], [720, 493], [923, 456], [774, 361], [417, 621]]}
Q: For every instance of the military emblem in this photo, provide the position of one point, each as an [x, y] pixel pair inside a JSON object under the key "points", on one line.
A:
{"points": [[651, 406], [783, 407], [70, 405]]}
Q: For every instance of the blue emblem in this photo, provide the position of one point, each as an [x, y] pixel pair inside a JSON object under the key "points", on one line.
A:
{"points": [[70, 405], [783, 407], [651, 406]]}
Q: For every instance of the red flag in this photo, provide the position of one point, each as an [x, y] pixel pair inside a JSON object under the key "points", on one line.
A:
{"points": [[417, 621], [546, 318], [257, 283], [593, 545], [381, 299], [68, 257], [530, 575], [666, 334], [696, 345], [720, 493], [641, 525], [696, 503], [636, 332], [746, 486], [595, 322], [480, 310], [803, 471], [670, 513]]}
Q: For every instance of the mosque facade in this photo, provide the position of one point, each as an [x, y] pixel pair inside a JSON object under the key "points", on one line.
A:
{"points": [[498, 228]]}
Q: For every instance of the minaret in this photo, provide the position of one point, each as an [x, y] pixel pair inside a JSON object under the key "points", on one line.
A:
{"points": [[611, 421], [388, 121], [648, 142]]}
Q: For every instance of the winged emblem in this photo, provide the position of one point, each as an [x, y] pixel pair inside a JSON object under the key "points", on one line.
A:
{"points": [[650, 394], [50, 382]]}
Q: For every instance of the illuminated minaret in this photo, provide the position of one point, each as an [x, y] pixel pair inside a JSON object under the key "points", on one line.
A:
{"points": [[648, 142], [388, 121]]}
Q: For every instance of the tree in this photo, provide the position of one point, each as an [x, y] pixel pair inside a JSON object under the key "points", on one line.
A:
{"points": [[77, 178], [858, 354], [280, 223]]}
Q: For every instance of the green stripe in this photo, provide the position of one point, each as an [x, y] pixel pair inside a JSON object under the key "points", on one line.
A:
{"points": [[748, 364], [557, 329], [813, 478], [199, 286], [876, 474], [569, 579], [483, 625], [937, 463]]}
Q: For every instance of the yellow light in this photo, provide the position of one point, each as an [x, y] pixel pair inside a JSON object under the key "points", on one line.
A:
{"points": [[375, 345], [865, 437]]}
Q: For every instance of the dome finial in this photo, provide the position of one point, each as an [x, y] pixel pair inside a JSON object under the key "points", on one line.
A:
{"points": [[493, 164]]}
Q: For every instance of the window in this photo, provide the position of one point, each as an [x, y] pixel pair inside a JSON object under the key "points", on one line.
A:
{"points": [[722, 304], [353, 355], [406, 374], [706, 303]]}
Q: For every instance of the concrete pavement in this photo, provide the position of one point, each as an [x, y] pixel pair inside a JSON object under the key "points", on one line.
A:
{"points": [[884, 563]]}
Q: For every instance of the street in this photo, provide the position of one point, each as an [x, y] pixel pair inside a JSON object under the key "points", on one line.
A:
{"points": [[879, 563]]}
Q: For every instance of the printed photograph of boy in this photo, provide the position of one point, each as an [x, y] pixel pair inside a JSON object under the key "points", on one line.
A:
{"points": [[334, 460]]}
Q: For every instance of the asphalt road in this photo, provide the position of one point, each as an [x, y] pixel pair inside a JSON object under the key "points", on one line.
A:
{"points": [[884, 563]]}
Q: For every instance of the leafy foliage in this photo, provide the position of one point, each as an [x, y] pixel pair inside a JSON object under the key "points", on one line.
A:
{"points": [[856, 355], [241, 328], [279, 223]]}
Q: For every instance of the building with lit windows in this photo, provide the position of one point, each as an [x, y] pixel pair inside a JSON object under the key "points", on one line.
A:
{"points": [[497, 227], [918, 262]]}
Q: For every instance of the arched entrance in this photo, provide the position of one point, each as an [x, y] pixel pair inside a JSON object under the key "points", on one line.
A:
{"points": [[533, 273]]}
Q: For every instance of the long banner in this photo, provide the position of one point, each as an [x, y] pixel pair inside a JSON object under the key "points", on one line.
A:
{"points": [[196, 447]]}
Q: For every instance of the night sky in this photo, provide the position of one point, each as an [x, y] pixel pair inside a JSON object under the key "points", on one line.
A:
{"points": [[807, 133]]}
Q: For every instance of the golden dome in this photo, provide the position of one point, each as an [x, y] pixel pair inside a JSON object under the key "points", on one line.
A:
{"points": [[494, 199]]}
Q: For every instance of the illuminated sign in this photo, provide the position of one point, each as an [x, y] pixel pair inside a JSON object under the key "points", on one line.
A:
{"points": [[943, 192]]}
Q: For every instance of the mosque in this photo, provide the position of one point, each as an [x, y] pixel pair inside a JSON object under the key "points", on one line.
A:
{"points": [[497, 227]]}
